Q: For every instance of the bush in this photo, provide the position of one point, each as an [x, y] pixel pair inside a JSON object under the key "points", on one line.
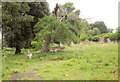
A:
{"points": [[36, 44], [95, 38], [83, 37], [90, 38], [118, 36], [96, 31], [111, 36], [76, 40]]}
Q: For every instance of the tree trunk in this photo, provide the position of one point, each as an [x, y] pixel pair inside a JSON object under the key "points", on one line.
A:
{"points": [[18, 50], [47, 43]]}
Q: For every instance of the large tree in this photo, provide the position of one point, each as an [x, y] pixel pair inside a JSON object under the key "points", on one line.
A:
{"points": [[19, 20], [14, 18], [100, 25], [37, 10], [73, 18], [53, 30]]}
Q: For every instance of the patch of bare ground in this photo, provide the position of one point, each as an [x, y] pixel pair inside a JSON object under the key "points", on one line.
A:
{"points": [[30, 75]]}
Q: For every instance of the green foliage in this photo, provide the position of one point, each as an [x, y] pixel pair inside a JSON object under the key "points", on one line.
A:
{"points": [[14, 22], [111, 36], [83, 37], [118, 33], [63, 33], [77, 12], [90, 34], [38, 9], [100, 25], [69, 6], [110, 30], [96, 31], [85, 32], [18, 23], [95, 38], [37, 44], [76, 39], [58, 31], [118, 29], [85, 27], [74, 20], [87, 61]]}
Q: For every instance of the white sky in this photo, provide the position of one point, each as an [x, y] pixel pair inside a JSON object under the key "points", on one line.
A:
{"points": [[96, 10]]}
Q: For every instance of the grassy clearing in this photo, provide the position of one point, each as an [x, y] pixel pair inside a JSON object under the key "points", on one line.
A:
{"points": [[87, 62]]}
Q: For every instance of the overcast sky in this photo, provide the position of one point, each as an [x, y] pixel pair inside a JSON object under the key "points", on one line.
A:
{"points": [[94, 10]]}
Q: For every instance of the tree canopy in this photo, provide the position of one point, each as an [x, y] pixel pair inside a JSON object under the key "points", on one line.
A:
{"points": [[100, 25], [16, 23], [53, 30], [30, 23]]}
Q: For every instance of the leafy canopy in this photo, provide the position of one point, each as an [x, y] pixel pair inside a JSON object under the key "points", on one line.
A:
{"points": [[51, 25]]}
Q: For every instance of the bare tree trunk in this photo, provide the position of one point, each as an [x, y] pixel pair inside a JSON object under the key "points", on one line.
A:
{"points": [[47, 43], [18, 43]]}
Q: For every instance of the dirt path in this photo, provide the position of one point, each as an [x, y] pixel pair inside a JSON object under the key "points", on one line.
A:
{"points": [[30, 75]]}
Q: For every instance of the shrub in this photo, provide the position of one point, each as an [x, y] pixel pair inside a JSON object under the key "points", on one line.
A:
{"points": [[96, 31], [36, 44], [111, 36], [95, 38], [76, 40], [90, 38], [83, 37]]}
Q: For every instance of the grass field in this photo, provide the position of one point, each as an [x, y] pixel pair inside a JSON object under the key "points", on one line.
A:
{"points": [[85, 62]]}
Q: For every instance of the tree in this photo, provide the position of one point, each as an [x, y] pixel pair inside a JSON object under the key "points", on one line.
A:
{"points": [[110, 30], [100, 25], [37, 10], [85, 32], [90, 34], [75, 22], [53, 30], [69, 6], [19, 20], [77, 12], [111, 36], [14, 18], [118, 33], [96, 31], [118, 29], [72, 17]]}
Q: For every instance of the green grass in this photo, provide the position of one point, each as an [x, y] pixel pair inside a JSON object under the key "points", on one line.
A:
{"points": [[89, 62], [0, 66]]}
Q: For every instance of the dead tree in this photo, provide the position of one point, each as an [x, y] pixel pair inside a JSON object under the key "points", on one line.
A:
{"points": [[63, 14], [56, 9]]}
